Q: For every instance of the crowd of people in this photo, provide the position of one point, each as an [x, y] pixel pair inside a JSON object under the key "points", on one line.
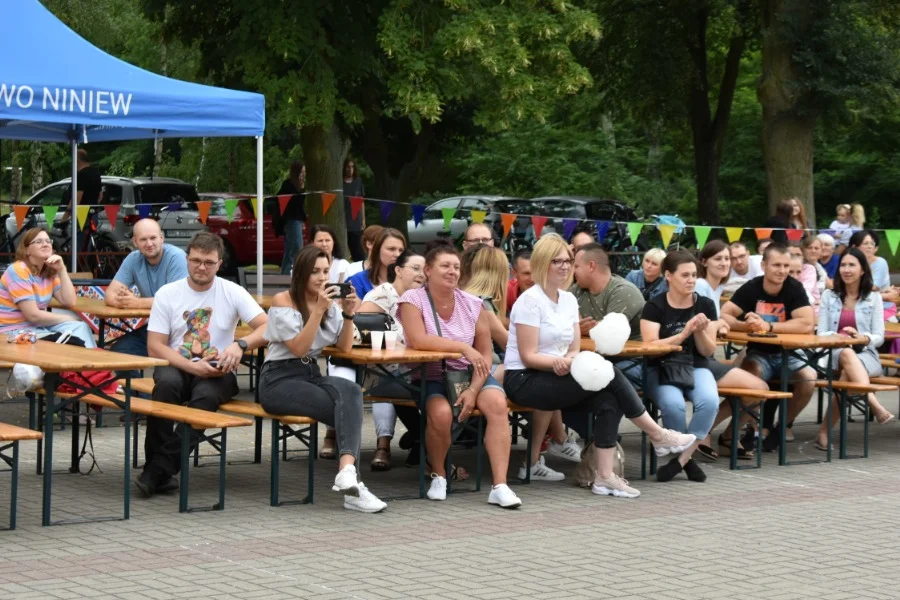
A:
{"points": [[517, 329]]}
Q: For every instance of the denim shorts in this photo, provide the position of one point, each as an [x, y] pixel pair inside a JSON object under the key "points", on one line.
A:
{"points": [[439, 388], [770, 364]]}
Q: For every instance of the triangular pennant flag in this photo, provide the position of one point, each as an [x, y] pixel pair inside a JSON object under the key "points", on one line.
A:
{"points": [[448, 216], [21, 211], [173, 206], [569, 226], [283, 202], [634, 231], [795, 235], [418, 211], [602, 230], [701, 232], [253, 205], [112, 213], [83, 212], [327, 201], [538, 224], [478, 216], [893, 238], [50, 214], [144, 210], [203, 210], [734, 233], [666, 232], [356, 204], [385, 208], [508, 221], [230, 205], [763, 233]]}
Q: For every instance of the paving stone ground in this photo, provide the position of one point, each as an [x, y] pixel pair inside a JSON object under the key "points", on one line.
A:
{"points": [[823, 531]]}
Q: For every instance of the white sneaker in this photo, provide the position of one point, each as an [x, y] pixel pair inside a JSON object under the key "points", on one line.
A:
{"points": [[346, 481], [366, 501], [568, 450], [504, 497], [541, 472], [614, 486], [438, 489], [673, 442]]}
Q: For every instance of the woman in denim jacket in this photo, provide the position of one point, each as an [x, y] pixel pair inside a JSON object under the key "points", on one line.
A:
{"points": [[852, 309]]}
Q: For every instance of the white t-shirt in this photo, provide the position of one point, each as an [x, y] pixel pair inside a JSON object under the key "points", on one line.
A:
{"points": [[754, 269], [338, 266], [556, 323], [200, 324], [353, 268], [706, 290]]}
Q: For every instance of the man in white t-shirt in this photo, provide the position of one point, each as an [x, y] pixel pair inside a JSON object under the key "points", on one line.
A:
{"points": [[743, 268], [192, 325]]}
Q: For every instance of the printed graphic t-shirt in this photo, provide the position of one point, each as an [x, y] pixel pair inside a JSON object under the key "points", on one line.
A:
{"points": [[752, 297], [200, 324]]}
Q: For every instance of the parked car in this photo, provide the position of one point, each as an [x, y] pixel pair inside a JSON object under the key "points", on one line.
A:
{"points": [[180, 224], [432, 224]]}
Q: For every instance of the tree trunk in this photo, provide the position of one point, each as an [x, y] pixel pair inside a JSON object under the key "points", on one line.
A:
{"points": [[323, 153], [787, 134], [609, 130]]}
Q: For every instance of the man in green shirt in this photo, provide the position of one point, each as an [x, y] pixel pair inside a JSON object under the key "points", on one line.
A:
{"points": [[599, 292]]}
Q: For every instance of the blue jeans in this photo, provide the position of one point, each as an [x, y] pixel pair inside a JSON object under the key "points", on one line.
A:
{"points": [[77, 328], [293, 242], [133, 343], [672, 402]]}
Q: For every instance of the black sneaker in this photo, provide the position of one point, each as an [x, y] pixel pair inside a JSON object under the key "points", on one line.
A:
{"points": [[772, 441], [169, 485], [694, 472], [668, 471], [412, 459], [145, 484]]}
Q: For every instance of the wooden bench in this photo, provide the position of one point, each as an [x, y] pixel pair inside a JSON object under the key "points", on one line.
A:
{"points": [[10, 436], [284, 427], [735, 396], [854, 395]]}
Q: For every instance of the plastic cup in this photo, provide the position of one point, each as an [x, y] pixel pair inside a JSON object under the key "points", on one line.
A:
{"points": [[377, 336], [390, 340]]}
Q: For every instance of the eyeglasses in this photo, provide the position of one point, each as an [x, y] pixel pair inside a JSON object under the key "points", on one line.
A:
{"points": [[41, 242], [481, 241], [206, 264], [562, 262], [415, 268]]}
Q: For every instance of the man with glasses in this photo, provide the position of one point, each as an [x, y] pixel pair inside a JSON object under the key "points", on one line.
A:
{"points": [[743, 268], [192, 326], [477, 233], [151, 266]]}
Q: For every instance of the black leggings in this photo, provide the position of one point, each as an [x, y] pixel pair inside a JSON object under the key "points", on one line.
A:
{"points": [[544, 390]]}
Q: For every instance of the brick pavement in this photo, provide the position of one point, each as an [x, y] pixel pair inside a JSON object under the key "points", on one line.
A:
{"points": [[825, 531]]}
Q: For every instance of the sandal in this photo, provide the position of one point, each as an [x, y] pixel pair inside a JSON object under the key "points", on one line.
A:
{"points": [[823, 447], [742, 453], [382, 459], [707, 452], [885, 418], [329, 448]]}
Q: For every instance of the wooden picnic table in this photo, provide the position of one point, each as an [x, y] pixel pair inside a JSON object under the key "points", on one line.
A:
{"points": [[634, 349], [264, 300], [53, 359], [104, 313]]}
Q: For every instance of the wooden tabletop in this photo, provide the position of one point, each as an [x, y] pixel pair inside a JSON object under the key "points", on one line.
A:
{"points": [[795, 341], [367, 356], [888, 326], [264, 301], [54, 358], [634, 349], [98, 308]]}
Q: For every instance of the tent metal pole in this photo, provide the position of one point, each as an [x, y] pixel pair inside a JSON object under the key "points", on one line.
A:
{"points": [[259, 215], [74, 214]]}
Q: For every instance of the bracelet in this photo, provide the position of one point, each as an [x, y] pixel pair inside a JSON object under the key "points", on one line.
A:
{"points": [[771, 327], [346, 316]]}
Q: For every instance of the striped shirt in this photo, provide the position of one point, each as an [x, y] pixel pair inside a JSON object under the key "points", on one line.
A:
{"points": [[18, 283], [460, 327]]}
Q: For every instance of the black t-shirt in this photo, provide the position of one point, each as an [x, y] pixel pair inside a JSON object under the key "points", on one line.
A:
{"points": [[672, 320], [89, 184], [752, 297], [294, 211], [779, 225]]}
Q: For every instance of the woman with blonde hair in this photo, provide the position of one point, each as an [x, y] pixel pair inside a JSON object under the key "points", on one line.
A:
{"points": [[649, 277]]}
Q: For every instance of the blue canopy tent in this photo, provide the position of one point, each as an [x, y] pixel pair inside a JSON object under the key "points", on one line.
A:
{"points": [[55, 86]]}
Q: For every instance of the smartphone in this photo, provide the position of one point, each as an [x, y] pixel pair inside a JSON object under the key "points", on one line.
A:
{"points": [[345, 289], [761, 334]]}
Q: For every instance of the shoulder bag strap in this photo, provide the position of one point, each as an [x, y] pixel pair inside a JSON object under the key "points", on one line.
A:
{"points": [[437, 324]]}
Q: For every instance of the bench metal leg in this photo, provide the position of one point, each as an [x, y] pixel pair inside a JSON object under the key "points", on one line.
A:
{"points": [[308, 437], [223, 454], [257, 440], [13, 462], [185, 465]]}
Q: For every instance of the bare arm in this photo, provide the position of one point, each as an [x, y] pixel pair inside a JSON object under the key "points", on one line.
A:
{"points": [[731, 314], [650, 334], [416, 336], [499, 334], [482, 345], [41, 318], [303, 341], [119, 296], [370, 307], [527, 337], [705, 338], [803, 320]]}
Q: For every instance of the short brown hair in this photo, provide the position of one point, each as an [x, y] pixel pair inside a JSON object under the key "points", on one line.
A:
{"points": [[205, 241]]}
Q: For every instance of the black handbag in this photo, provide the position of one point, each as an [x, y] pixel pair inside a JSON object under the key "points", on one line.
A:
{"points": [[678, 369], [367, 322]]}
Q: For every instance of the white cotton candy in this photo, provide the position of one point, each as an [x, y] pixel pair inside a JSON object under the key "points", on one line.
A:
{"points": [[610, 334], [592, 371]]}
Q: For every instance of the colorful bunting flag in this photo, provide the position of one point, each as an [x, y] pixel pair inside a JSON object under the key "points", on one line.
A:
{"points": [[448, 217], [478, 216], [634, 231], [538, 224], [21, 211], [83, 212], [283, 202], [893, 238], [50, 214], [569, 226], [763, 233], [602, 229], [508, 221], [356, 204], [173, 206], [203, 210], [327, 201], [418, 211], [701, 232], [230, 205], [666, 232], [734, 233], [794, 235], [143, 210], [112, 213], [253, 205], [385, 208]]}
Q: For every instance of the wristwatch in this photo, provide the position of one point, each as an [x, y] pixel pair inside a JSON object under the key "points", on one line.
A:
{"points": [[242, 344], [347, 316]]}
